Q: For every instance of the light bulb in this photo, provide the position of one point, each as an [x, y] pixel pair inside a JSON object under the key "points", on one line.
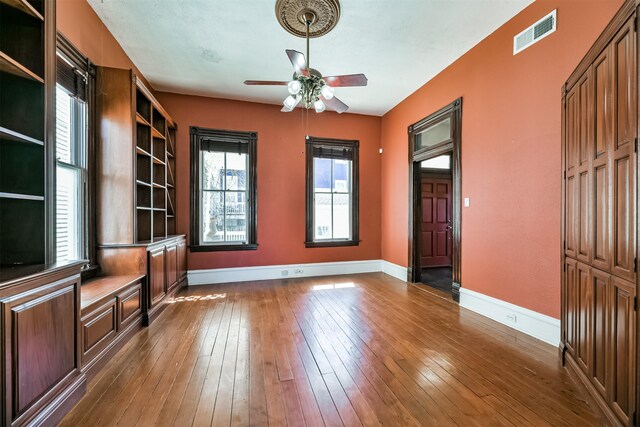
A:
{"points": [[319, 106], [290, 103], [294, 87], [327, 92]]}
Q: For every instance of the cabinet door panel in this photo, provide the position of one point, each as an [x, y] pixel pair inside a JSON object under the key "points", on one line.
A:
{"points": [[40, 342], [624, 171], [182, 259], [571, 306], [156, 276], [585, 315], [601, 284], [571, 190], [171, 257], [622, 348]]}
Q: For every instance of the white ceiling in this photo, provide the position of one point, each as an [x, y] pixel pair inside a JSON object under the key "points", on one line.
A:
{"points": [[209, 47]]}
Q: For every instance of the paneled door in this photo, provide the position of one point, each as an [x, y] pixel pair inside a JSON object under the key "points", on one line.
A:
{"points": [[436, 222]]}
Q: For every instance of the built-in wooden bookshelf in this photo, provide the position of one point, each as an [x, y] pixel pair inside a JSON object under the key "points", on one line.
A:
{"points": [[27, 70], [125, 103]]}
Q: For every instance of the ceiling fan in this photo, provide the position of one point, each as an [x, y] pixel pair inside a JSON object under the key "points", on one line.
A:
{"points": [[308, 87]]}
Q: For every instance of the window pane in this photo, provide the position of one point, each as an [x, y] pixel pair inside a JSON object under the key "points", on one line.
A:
{"points": [[212, 170], [236, 171], [212, 216], [434, 135], [440, 162], [236, 218], [322, 216], [341, 176], [68, 237], [341, 216], [322, 174], [64, 130]]}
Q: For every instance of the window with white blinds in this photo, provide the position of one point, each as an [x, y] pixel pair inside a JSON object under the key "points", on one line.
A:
{"points": [[71, 138]]}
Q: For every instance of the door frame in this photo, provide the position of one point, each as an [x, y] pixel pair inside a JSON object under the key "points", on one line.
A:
{"points": [[453, 146]]}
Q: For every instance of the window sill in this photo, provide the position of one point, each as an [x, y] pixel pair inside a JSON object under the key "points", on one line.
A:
{"points": [[218, 248], [331, 243]]}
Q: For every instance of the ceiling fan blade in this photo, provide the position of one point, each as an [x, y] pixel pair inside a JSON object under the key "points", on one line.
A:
{"points": [[298, 61], [346, 80], [335, 104], [264, 83]]}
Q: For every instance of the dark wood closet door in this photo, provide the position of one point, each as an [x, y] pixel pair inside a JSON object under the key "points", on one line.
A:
{"points": [[622, 348], [599, 281], [623, 156]]}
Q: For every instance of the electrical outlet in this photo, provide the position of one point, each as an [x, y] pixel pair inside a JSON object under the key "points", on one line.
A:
{"points": [[512, 318], [284, 273], [298, 271]]}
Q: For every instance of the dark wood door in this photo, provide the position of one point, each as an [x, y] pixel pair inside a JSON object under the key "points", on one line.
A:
{"points": [[436, 222], [156, 278], [600, 220]]}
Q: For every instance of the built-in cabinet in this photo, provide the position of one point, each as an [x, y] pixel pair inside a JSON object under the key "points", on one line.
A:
{"points": [[599, 286], [136, 159], [40, 318]]}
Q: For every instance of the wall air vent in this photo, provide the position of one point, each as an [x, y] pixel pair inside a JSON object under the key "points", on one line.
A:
{"points": [[535, 33]]}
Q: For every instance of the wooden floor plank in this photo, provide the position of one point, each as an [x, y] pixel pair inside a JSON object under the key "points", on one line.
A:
{"points": [[351, 350]]}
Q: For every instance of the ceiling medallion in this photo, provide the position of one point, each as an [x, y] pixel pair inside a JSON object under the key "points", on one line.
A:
{"points": [[291, 15]]}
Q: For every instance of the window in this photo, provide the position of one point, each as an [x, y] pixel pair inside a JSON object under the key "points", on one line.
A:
{"points": [[332, 193], [434, 135], [440, 162], [71, 158], [223, 199]]}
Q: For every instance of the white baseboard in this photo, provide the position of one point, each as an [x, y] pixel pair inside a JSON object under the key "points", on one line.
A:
{"points": [[271, 272], [394, 270], [538, 325]]}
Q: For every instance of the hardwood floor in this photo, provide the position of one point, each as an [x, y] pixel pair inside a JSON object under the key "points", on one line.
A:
{"points": [[355, 350]]}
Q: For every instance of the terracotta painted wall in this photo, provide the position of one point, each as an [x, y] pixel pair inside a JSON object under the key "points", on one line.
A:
{"points": [[281, 177], [82, 26], [511, 150]]}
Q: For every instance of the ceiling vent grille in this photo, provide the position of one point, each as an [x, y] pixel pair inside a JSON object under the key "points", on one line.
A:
{"points": [[535, 33]]}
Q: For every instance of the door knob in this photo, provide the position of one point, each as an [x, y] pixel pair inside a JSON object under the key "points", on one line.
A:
{"points": [[449, 227]]}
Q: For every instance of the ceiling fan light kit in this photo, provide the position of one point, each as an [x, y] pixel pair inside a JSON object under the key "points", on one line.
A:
{"points": [[308, 88]]}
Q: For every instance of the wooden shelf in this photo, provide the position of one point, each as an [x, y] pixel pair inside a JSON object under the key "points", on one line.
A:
{"points": [[17, 136], [142, 152], [24, 6], [20, 196], [156, 133], [146, 184], [142, 120], [11, 66], [158, 161]]}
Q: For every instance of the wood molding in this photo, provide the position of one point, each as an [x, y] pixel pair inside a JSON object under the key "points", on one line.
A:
{"points": [[453, 146]]}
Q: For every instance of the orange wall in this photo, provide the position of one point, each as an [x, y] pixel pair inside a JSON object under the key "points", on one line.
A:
{"points": [[80, 24], [511, 150], [281, 177]]}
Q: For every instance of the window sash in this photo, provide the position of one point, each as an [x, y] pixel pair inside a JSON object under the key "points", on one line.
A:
{"points": [[224, 191], [332, 205], [75, 126]]}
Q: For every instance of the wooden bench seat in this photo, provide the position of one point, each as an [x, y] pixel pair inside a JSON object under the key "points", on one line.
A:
{"points": [[111, 312]]}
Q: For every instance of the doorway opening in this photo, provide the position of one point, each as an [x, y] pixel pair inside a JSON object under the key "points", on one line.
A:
{"points": [[435, 200]]}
